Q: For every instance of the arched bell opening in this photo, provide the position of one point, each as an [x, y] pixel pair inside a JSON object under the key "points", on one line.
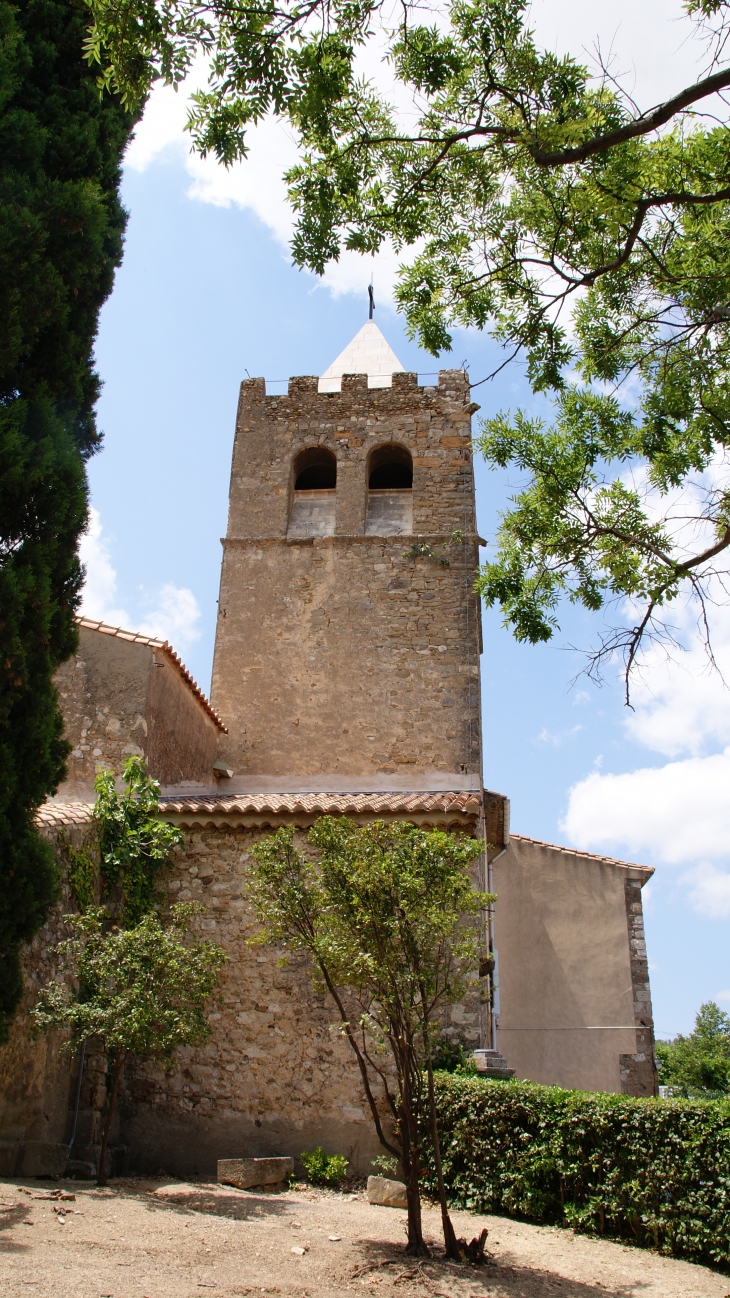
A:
{"points": [[313, 499], [315, 470], [390, 468], [390, 491]]}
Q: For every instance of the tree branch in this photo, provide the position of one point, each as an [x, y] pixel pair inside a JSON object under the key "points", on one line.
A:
{"points": [[642, 125]]}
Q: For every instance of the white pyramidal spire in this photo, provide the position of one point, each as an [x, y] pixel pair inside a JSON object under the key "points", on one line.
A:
{"points": [[368, 353]]}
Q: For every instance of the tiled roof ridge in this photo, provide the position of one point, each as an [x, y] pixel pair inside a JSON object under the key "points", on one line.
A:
{"points": [[292, 802], [136, 637], [64, 813], [55, 814], [578, 851]]}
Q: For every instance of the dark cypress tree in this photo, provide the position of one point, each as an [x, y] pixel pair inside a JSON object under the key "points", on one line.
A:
{"points": [[61, 228]]}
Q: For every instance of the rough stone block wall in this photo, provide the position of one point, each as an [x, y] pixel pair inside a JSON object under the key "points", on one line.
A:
{"points": [[274, 1077], [37, 1075], [103, 695], [638, 1070], [346, 656], [120, 698], [351, 654]]}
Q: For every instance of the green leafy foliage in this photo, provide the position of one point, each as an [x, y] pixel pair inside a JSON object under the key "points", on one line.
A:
{"points": [[141, 991], [82, 870], [451, 1057], [698, 1065], [393, 926], [136, 985], [324, 1169], [422, 550], [134, 844], [654, 1172], [590, 237], [61, 225]]}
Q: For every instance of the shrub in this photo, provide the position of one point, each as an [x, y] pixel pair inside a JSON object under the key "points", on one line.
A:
{"points": [[655, 1172], [324, 1169]]}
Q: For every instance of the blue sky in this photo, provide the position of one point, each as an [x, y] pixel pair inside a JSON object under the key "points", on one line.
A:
{"points": [[207, 294]]}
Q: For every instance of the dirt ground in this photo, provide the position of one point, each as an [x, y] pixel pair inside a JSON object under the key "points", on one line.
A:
{"points": [[155, 1239]]}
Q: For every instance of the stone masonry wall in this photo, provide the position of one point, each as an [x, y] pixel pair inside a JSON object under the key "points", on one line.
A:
{"points": [[121, 697], [274, 1077], [349, 654], [638, 1070], [344, 656], [103, 695], [37, 1074]]}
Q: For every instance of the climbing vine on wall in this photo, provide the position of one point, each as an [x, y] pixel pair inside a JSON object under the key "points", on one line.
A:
{"points": [[134, 844], [82, 870]]}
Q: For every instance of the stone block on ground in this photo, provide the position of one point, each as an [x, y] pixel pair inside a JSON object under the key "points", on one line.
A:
{"points": [[245, 1173], [389, 1194], [490, 1063]]}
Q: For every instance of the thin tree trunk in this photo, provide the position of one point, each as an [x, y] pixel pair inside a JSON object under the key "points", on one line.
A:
{"points": [[101, 1178], [450, 1241], [417, 1246], [362, 1065]]}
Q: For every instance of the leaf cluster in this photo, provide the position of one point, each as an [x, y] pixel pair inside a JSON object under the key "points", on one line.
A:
{"points": [[323, 1168], [134, 844], [698, 1066], [388, 910], [393, 927], [141, 990], [653, 1172]]}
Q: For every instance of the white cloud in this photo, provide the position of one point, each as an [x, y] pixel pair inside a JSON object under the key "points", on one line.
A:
{"points": [[678, 813], [174, 614], [682, 704], [722, 996], [708, 890], [256, 184], [558, 738], [100, 585]]}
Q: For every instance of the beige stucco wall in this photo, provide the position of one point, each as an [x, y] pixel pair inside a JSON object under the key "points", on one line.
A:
{"points": [[339, 655], [567, 1002]]}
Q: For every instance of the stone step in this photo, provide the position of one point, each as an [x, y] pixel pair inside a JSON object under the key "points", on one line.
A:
{"points": [[490, 1063]]}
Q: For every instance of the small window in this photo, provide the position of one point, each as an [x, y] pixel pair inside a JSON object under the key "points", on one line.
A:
{"points": [[391, 469], [315, 470], [390, 494]]}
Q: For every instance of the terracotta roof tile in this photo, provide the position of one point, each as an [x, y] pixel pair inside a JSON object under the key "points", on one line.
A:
{"points": [[135, 637], [52, 815], [456, 805]]}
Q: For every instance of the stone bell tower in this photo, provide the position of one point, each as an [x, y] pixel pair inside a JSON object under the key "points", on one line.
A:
{"points": [[348, 637]]}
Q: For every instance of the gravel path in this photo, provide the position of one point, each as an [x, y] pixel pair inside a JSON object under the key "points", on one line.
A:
{"points": [[153, 1239]]}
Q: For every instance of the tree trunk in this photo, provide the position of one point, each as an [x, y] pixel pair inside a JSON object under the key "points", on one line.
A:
{"points": [[450, 1241], [101, 1178], [417, 1246]]}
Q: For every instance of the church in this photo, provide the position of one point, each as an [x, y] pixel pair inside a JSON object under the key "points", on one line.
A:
{"points": [[346, 681]]}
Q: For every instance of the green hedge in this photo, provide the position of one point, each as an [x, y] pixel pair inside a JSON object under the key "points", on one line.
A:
{"points": [[656, 1172]]}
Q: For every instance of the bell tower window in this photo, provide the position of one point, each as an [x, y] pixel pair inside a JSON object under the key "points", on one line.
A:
{"points": [[313, 499], [390, 491], [315, 470]]}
